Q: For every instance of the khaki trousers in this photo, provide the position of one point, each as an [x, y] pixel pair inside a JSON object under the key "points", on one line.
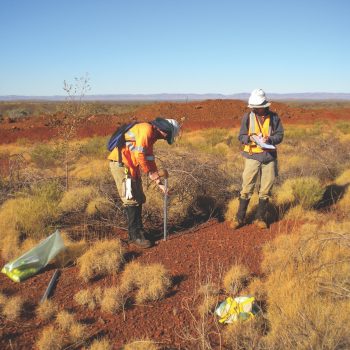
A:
{"points": [[119, 175], [255, 171]]}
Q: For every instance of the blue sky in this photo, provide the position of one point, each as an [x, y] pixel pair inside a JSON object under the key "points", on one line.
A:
{"points": [[174, 46]]}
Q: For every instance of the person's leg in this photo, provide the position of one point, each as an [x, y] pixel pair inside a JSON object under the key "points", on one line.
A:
{"points": [[249, 177], [132, 205], [250, 174], [268, 174]]}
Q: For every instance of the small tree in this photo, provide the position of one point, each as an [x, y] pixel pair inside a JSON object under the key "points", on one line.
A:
{"points": [[74, 110]]}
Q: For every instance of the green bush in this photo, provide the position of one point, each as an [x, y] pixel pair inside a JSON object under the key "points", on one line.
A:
{"points": [[45, 155], [95, 147]]}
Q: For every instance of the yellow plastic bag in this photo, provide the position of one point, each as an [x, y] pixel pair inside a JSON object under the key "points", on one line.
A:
{"points": [[237, 309]]}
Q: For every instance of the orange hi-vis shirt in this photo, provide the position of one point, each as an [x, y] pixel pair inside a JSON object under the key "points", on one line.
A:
{"points": [[255, 127], [138, 150]]}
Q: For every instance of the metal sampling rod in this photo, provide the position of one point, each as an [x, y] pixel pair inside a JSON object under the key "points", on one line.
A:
{"points": [[165, 214], [49, 287]]}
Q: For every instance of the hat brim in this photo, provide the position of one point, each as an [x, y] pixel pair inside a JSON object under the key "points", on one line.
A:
{"points": [[267, 104]]}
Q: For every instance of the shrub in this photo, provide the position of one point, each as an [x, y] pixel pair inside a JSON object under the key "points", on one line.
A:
{"points": [[94, 147], [102, 258], [235, 278], [45, 155]]}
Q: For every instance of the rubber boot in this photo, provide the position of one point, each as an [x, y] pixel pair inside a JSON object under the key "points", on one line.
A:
{"points": [[136, 237], [141, 231], [239, 220], [261, 215]]}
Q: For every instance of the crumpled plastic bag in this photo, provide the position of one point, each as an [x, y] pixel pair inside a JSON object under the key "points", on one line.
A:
{"points": [[35, 259], [237, 309]]}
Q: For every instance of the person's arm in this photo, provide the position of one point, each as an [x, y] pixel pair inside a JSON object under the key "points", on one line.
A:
{"points": [[277, 134], [243, 136]]}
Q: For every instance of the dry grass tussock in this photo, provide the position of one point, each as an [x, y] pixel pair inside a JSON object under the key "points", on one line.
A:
{"points": [[244, 335], [113, 300], [12, 307], [144, 344], [209, 295], [46, 310], [235, 279], [89, 298], [298, 213], [102, 258], [306, 191], [151, 281], [99, 205], [91, 170], [77, 199], [307, 288], [100, 344], [32, 215], [73, 251], [65, 331]]}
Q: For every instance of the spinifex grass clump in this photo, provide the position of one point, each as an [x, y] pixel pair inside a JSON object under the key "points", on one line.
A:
{"points": [[144, 344], [235, 279], [31, 215], [151, 281], [66, 331], [76, 199], [306, 191], [307, 280], [102, 258], [46, 310]]}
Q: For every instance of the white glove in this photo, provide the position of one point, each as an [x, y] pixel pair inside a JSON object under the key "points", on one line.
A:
{"points": [[128, 189]]}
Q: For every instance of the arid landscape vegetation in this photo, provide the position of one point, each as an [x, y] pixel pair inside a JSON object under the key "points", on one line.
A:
{"points": [[109, 295]]}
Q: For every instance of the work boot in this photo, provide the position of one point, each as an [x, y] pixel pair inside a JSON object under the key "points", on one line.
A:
{"points": [[135, 232], [239, 220], [261, 215]]}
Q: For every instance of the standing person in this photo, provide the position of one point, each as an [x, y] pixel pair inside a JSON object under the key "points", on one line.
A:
{"points": [[126, 164], [261, 130]]}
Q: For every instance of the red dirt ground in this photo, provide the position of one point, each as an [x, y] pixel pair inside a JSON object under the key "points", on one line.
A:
{"points": [[198, 115], [190, 256]]}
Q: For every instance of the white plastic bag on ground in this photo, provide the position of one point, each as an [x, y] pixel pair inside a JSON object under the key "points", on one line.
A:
{"points": [[35, 259], [237, 309]]}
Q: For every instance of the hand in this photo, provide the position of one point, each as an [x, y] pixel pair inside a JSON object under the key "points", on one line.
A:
{"points": [[163, 173], [168, 192]]}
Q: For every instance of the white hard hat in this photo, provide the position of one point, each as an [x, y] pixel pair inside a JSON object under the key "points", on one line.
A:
{"points": [[175, 129], [258, 99]]}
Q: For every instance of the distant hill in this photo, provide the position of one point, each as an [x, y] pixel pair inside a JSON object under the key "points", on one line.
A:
{"points": [[311, 96]]}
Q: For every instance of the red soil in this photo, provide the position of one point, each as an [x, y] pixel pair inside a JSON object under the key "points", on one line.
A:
{"points": [[190, 256], [198, 115]]}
